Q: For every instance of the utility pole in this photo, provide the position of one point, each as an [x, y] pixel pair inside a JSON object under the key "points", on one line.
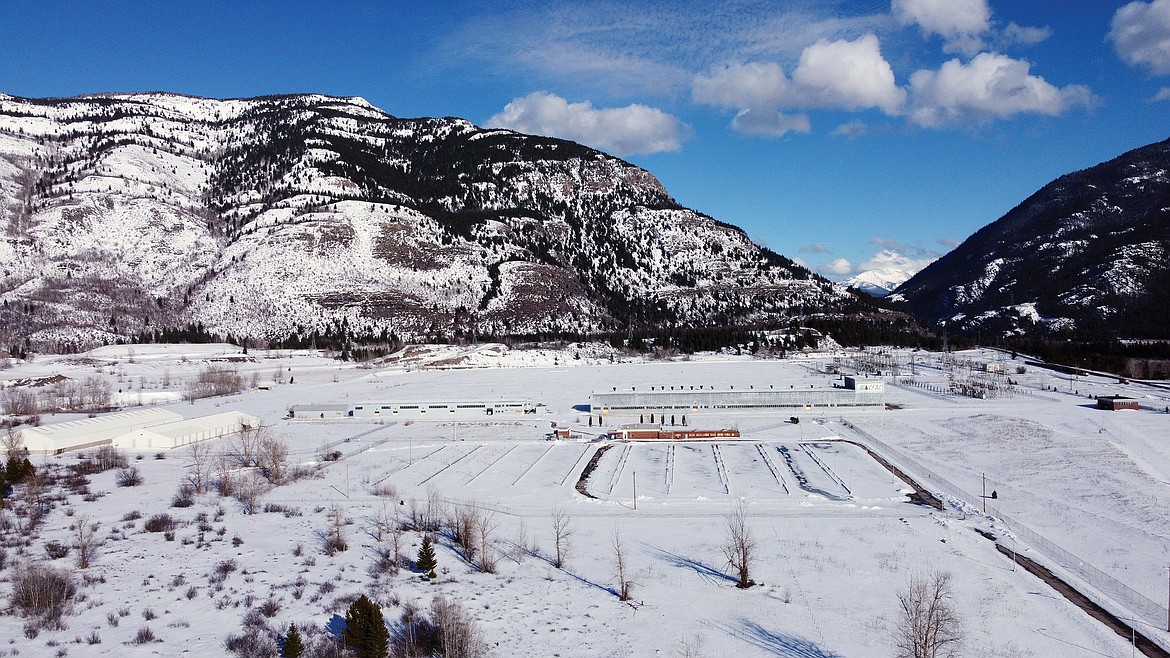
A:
{"points": [[635, 489], [984, 496]]}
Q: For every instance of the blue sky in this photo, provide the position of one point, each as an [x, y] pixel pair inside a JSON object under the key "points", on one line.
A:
{"points": [[830, 131]]}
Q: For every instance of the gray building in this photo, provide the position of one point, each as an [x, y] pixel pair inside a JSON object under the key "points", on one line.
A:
{"points": [[420, 410], [699, 400]]}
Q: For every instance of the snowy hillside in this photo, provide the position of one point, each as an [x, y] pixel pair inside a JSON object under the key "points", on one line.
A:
{"points": [[1085, 254], [277, 216]]}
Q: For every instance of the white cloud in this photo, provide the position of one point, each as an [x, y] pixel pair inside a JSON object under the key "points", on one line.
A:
{"points": [[836, 267], [961, 23], [622, 131], [990, 86], [753, 85], [1141, 33], [1027, 36], [840, 75], [1162, 95], [851, 129], [770, 123], [888, 259], [850, 75], [814, 248]]}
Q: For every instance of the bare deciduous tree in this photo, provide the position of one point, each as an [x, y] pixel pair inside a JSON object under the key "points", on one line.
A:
{"points": [[248, 490], [520, 544], [334, 537], [463, 523], [624, 586], [457, 633], [928, 625], [273, 459], [214, 380], [85, 540], [13, 443], [562, 534], [739, 545], [200, 466], [485, 536]]}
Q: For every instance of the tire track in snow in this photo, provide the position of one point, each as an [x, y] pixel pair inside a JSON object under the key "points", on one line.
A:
{"points": [[491, 464], [533, 465], [772, 467], [669, 467], [457, 460], [617, 473], [720, 468], [825, 467]]}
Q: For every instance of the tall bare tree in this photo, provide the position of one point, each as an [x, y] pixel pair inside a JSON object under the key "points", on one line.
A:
{"points": [[85, 540], [562, 534], [485, 533], [625, 585], [201, 463], [928, 624], [272, 457], [739, 545]]}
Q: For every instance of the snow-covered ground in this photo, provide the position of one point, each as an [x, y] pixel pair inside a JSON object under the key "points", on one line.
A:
{"points": [[837, 539]]}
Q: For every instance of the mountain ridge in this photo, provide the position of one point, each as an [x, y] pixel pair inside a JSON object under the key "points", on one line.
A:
{"points": [[299, 214], [1085, 255]]}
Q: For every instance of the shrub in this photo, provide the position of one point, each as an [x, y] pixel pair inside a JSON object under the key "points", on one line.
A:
{"points": [[253, 643], [160, 523], [128, 477], [108, 457], [144, 636], [184, 497], [42, 591], [56, 550]]}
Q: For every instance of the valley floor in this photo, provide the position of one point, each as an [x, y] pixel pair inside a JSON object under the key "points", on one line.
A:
{"points": [[838, 539]]}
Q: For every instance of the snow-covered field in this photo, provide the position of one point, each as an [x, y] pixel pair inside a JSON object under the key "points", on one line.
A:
{"points": [[837, 539]]}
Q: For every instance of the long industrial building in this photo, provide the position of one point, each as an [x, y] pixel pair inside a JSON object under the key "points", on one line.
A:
{"points": [[421, 410], [855, 393], [139, 429]]}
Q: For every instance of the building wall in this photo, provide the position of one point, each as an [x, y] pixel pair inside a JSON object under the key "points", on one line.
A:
{"points": [[760, 400]]}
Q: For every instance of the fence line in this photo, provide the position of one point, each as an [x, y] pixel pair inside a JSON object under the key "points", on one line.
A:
{"points": [[1137, 603]]}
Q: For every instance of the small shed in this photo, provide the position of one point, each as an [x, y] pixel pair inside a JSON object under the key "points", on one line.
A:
{"points": [[1116, 402]]}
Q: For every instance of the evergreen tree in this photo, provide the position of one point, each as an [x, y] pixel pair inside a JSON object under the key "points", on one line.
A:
{"points": [[426, 557], [293, 646], [365, 630]]}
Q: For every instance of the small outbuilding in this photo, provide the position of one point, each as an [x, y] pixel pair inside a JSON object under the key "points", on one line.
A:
{"points": [[1116, 402]]}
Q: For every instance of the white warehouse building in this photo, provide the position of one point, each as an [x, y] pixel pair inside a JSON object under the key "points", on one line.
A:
{"points": [[138, 429]]}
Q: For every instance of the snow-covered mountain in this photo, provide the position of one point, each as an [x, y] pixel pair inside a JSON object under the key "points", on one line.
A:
{"points": [[889, 271], [1086, 254], [280, 216]]}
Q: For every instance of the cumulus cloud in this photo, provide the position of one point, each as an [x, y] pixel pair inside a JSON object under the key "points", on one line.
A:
{"points": [[622, 130], [960, 23], [839, 75], [850, 75], [888, 259], [836, 267], [1140, 32], [990, 86], [814, 248], [752, 85]]}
